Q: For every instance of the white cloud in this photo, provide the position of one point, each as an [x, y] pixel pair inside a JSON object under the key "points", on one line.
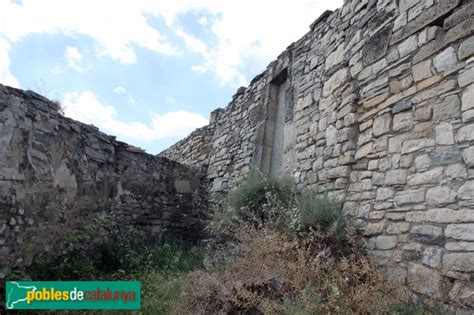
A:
{"points": [[115, 25], [192, 42], [6, 77], [249, 37], [247, 32], [74, 59], [170, 100], [120, 90], [84, 106], [56, 70], [199, 69], [202, 20]]}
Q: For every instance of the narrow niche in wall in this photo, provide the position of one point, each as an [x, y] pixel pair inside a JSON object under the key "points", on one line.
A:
{"points": [[279, 129]]}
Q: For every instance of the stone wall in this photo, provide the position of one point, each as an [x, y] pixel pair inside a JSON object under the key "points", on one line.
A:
{"points": [[374, 105], [60, 179]]}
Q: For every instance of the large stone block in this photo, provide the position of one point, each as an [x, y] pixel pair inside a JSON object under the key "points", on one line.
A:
{"points": [[444, 134], [446, 155], [468, 98], [382, 125], [429, 177], [409, 197], [440, 195], [447, 108], [445, 60], [463, 232], [466, 191], [337, 80], [466, 49], [386, 242], [396, 177], [463, 262], [424, 280]]}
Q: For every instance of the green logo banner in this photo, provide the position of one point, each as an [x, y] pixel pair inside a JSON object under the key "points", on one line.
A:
{"points": [[72, 295]]}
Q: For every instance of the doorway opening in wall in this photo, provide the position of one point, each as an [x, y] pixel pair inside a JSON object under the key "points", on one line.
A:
{"points": [[278, 130]]}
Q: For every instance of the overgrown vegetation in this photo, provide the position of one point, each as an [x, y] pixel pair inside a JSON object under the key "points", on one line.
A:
{"points": [[292, 254], [159, 267], [285, 253]]}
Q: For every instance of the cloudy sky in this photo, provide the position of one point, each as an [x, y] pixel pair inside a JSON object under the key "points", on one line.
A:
{"points": [[147, 71]]}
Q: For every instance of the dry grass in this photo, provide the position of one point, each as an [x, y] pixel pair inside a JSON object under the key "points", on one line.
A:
{"points": [[275, 273]]}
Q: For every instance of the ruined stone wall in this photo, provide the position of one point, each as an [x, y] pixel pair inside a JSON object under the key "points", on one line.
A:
{"points": [[375, 105], [61, 179]]}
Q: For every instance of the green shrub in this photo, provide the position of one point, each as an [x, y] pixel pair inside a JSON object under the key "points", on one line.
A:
{"points": [[114, 259], [318, 212], [259, 193]]}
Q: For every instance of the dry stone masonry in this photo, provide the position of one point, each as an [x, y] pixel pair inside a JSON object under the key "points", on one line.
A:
{"points": [[62, 179], [375, 106]]}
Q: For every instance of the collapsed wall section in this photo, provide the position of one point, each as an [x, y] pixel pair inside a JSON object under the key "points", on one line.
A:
{"points": [[375, 107], [61, 180]]}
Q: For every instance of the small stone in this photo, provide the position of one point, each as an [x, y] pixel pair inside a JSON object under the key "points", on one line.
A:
{"points": [[382, 125], [386, 242], [403, 121], [337, 80], [456, 171], [422, 162], [446, 59], [463, 232], [364, 151], [468, 98], [463, 262], [424, 280], [410, 146], [400, 21], [430, 230], [457, 246], [373, 165], [374, 228], [408, 46], [406, 161], [350, 119], [402, 106], [384, 193], [466, 49], [466, 77], [407, 4], [422, 70], [409, 197], [440, 195], [331, 133], [468, 156], [468, 116], [446, 155], [466, 133], [396, 177], [466, 191], [424, 113], [447, 108], [429, 177], [335, 57], [385, 164], [432, 257], [398, 228], [444, 134]]}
